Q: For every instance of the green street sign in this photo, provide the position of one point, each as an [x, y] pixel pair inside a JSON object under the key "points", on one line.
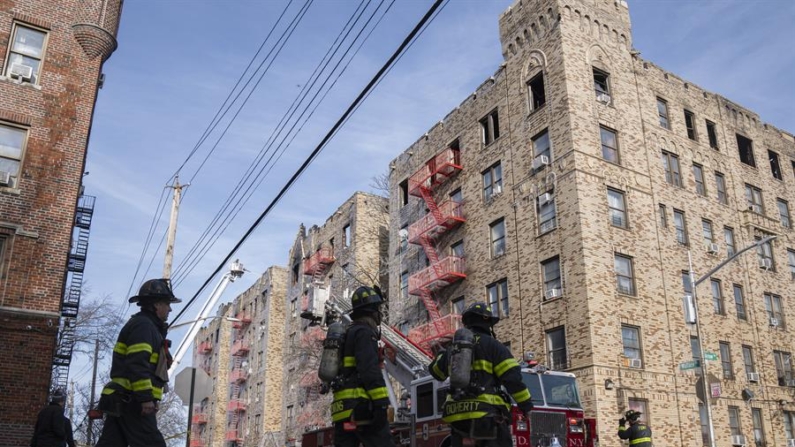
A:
{"points": [[710, 356], [689, 365]]}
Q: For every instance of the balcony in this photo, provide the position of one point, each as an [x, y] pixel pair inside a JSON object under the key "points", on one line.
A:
{"points": [[443, 273], [205, 347], [319, 260], [240, 348], [199, 418], [452, 214], [236, 405], [238, 375], [245, 320], [233, 436], [435, 171], [444, 327], [196, 442]]}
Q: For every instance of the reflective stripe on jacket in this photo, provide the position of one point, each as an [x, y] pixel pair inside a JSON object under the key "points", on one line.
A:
{"points": [[639, 435]]}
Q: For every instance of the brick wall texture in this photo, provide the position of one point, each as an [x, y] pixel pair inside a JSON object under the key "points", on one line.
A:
{"points": [[37, 208], [564, 40]]}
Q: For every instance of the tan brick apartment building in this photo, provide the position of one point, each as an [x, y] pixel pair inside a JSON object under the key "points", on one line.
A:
{"points": [[52, 54], [567, 192]]}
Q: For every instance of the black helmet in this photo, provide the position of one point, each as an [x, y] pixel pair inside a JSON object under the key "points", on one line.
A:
{"points": [[479, 314], [365, 298], [632, 415], [57, 396], [155, 290]]}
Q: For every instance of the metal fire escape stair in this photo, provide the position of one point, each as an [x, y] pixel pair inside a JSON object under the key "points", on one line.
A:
{"points": [[70, 304]]}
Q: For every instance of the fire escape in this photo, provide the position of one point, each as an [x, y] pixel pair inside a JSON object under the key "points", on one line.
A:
{"points": [[237, 381], [440, 219], [199, 421], [71, 300], [316, 266]]}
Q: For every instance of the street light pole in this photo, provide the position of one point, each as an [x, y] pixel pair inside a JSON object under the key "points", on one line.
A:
{"points": [[702, 359]]}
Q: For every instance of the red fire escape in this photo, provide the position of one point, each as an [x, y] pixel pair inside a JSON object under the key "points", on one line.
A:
{"points": [[199, 420], [237, 381], [440, 219]]}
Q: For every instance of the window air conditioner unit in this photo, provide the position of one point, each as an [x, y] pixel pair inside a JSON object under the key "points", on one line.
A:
{"points": [[545, 198], [635, 363], [553, 293], [753, 377], [603, 97], [497, 190], [540, 161], [774, 321], [5, 178], [765, 263], [21, 72], [790, 442], [738, 440], [712, 248]]}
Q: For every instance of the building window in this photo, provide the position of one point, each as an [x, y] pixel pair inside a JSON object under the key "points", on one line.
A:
{"points": [[783, 213], [720, 186], [625, 279], [695, 351], [663, 216], [639, 406], [556, 347], [662, 112], [535, 91], [702, 415], [739, 303], [25, 54], [728, 238], [497, 237], [457, 305], [712, 134], [346, 231], [541, 145], [492, 181], [789, 424], [748, 360], [671, 166], [617, 208], [774, 310], [681, 227], [783, 362], [775, 166], [404, 239], [547, 213], [690, 123], [630, 337], [759, 431], [490, 127], [687, 285], [753, 197], [746, 148], [550, 269], [609, 144], [698, 175], [790, 261], [726, 360], [457, 196], [404, 193], [601, 85], [497, 294], [706, 231], [457, 249], [734, 421], [717, 297], [764, 253], [12, 146], [404, 285]]}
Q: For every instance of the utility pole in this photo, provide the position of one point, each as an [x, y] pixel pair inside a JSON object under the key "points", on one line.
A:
{"points": [[172, 227], [90, 432]]}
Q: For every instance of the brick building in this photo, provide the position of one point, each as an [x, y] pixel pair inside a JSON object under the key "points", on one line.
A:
{"points": [[52, 55], [568, 193]]}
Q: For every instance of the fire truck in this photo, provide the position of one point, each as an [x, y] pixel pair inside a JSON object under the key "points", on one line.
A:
{"points": [[557, 419]]}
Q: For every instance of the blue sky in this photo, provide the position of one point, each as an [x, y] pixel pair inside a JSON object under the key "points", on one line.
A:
{"points": [[178, 60]]}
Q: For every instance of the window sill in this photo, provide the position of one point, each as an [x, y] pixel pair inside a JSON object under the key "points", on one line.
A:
{"points": [[23, 83], [536, 110], [10, 190]]}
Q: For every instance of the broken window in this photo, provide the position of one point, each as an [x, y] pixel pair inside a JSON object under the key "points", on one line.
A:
{"points": [[712, 134], [746, 148], [775, 167], [690, 123], [535, 91]]}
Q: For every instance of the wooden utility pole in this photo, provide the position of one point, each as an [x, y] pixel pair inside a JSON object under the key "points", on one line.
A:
{"points": [[172, 227]]}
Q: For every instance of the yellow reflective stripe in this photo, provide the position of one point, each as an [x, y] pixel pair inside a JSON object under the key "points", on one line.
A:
{"points": [[622, 428], [139, 347], [505, 365], [438, 372], [336, 417], [521, 396], [154, 357], [464, 416], [157, 393], [349, 361], [639, 440], [491, 399], [378, 393], [120, 348], [141, 385], [107, 391], [124, 383], [482, 365], [351, 393]]}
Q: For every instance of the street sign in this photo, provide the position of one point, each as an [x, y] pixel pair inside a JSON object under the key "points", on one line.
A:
{"points": [[689, 365], [710, 356], [714, 389], [201, 389]]}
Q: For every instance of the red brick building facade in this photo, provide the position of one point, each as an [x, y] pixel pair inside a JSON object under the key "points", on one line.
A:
{"points": [[52, 54]]}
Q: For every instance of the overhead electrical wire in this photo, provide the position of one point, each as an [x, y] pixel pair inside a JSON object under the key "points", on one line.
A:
{"points": [[401, 48]]}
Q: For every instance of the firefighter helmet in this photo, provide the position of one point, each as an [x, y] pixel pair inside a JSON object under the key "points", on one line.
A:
{"points": [[155, 290], [479, 314], [632, 415], [57, 396], [365, 298]]}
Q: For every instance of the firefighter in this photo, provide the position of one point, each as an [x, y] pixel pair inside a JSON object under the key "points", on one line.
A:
{"points": [[482, 411], [359, 408], [139, 371], [638, 433], [53, 429]]}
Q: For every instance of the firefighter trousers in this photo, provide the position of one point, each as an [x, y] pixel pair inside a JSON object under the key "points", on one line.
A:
{"points": [[131, 428], [367, 435], [501, 430]]}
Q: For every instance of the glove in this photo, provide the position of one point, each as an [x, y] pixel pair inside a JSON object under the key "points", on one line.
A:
{"points": [[622, 421]]}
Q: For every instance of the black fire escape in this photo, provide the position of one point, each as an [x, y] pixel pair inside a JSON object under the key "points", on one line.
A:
{"points": [[74, 285]]}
